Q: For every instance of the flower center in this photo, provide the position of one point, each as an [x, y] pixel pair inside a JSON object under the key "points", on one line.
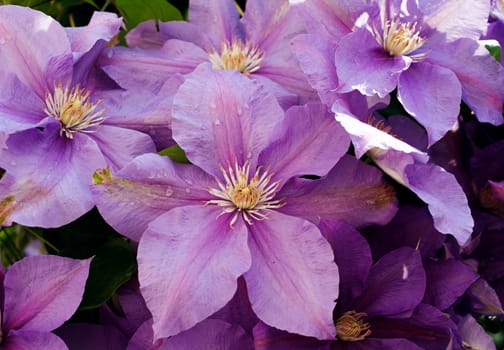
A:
{"points": [[400, 39], [237, 55], [73, 109], [350, 326], [243, 195]]}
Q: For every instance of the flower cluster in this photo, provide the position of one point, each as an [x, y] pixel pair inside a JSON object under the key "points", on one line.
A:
{"points": [[317, 174]]}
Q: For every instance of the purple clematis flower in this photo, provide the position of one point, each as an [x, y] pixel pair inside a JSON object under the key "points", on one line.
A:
{"points": [[411, 168], [254, 44], [57, 118], [39, 294], [241, 209], [379, 305], [428, 50]]}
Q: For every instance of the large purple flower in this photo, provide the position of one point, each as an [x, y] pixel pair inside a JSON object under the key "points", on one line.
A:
{"points": [[57, 117], [379, 305], [428, 50], [242, 210], [39, 294], [255, 44]]}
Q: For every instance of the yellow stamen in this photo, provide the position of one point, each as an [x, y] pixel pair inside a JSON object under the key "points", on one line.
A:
{"points": [[73, 108], [350, 327], [250, 197], [237, 55]]}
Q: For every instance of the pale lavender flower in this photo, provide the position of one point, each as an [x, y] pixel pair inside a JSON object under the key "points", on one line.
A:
{"points": [[256, 45], [241, 209], [428, 50], [59, 124], [39, 294]]}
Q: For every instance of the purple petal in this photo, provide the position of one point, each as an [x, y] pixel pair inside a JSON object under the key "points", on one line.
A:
{"points": [[102, 26], [20, 107], [396, 283], [119, 146], [143, 111], [42, 292], [481, 76], [362, 64], [431, 94], [230, 119], [143, 338], [447, 280], [428, 327], [365, 137], [137, 68], [153, 34], [474, 336], [302, 147], [210, 335], [483, 298], [146, 188], [352, 191], [85, 336], [268, 22], [238, 310], [269, 338], [218, 18], [455, 19], [188, 263], [51, 176], [329, 19], [445, 198], [293, 280], [35, 47], [411, 227], [315, 56], [32, 340], [353, 257]]}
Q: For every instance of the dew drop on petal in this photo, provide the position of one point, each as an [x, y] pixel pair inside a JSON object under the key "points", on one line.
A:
{"points": [[405, 272], [217, 122], [188, 190], [168, 192]]}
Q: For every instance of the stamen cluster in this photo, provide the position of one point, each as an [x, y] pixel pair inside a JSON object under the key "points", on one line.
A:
{"points": [[244, 57], [73, 108], [401, 39], [250, 198], [350, 327]]}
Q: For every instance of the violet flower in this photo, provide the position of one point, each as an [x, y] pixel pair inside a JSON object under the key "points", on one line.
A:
{"points": [[379, 305], [254, 44], [411, 168], [429, 52], [39, 294], [240, 209], [55, 118]]}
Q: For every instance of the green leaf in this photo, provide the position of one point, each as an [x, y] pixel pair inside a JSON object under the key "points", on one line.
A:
{"points": [[494, 48], [176, 154], [137, 11], [112, 266]]}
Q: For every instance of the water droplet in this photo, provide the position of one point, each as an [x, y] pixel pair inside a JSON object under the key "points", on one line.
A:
{"points": [[249, 155], [188, 190], [213, 105], [168, 192], [189, 182], [217, 122], [110, 53]]}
